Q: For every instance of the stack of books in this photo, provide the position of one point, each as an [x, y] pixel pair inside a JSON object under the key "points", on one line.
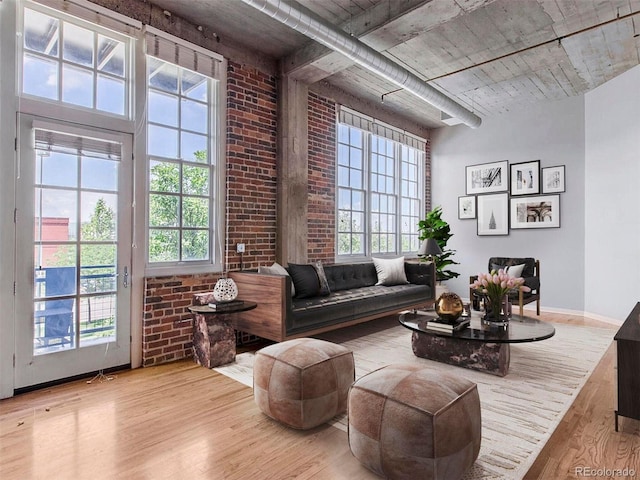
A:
{"points": [[223, 305], [441, 326]]}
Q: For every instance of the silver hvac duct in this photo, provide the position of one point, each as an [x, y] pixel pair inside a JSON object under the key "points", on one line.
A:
{"points": [[314, 27]]}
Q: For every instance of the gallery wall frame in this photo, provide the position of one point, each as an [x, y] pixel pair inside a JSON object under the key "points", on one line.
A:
{"points": [[466, 207], [525, 178], [493, 214], [542, 211], [553, 179], [487, 177]]}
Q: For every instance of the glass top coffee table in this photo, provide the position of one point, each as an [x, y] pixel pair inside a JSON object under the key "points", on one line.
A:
{"points": [[480, 346]]}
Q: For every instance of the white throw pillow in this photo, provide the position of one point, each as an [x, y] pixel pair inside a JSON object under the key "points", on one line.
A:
{"points": [[515, 270], [390, 271], [277, 269]]}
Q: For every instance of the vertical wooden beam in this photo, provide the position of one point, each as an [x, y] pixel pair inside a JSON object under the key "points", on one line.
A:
{"points": [[293, 180]]}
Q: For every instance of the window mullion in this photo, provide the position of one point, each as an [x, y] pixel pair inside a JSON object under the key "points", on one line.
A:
{"points": [[398, 195], [95, 72], [366, 165]]}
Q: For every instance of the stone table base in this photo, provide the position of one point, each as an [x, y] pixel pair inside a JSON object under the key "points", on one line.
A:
{"points": [[214, 340], [487, 357]]}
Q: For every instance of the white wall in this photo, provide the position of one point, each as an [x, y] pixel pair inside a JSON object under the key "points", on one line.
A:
{"points": [[550, 132], [612, 186], [7, 156]]}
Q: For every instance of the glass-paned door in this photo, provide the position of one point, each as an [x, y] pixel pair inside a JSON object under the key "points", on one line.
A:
{"points": [[73, 215]]}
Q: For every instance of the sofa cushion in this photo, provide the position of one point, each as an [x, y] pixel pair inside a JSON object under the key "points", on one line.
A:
{"points": [[418, 273], [344, 276], [390, 271], [305, 280], [345, 305]]}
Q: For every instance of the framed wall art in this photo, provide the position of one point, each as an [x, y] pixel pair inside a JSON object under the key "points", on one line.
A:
{"points": [[466, 207], [553, 179], [493, 214], [487, 178], [542, 211], [525, 178]]}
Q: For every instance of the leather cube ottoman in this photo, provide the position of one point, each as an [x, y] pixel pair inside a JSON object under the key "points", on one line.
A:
{"points": [[407, 421], [303, 383]]}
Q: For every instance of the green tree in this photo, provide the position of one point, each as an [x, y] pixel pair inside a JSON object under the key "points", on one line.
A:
{"points": [[97, 250], [101, 225], [166, 183], [349, 240]]}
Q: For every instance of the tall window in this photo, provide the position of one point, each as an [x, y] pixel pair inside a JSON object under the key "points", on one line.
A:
{"points": [[380, 190], [181, 150], [351, 191], [411, 196], [179, 112], [73, 63]]}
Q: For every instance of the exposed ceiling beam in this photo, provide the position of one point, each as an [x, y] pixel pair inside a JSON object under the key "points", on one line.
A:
{"points": [[308, 23], [381, 27]]}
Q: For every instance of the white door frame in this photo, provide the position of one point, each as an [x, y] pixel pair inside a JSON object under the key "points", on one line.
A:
{"points": [[33, 369]]}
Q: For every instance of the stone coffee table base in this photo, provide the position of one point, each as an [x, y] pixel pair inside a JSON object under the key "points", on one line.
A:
{"points": [[492, 358]]}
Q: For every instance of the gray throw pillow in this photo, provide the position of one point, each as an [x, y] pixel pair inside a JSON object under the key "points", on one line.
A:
{"points": [[322, 278], [390, 271], [277, 269]]}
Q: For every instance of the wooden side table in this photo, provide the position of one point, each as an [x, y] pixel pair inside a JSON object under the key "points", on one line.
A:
{"points": [[214, 338]]}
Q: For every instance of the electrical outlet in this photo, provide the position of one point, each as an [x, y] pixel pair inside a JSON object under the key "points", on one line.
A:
{"points": [[240, 247]]}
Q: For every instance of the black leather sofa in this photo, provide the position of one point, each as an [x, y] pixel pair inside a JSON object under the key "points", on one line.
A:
{"points": [[354, 298]]}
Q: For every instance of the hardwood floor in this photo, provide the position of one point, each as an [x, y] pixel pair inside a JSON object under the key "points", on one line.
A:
{"points": [[585, 440], [180, 421]]}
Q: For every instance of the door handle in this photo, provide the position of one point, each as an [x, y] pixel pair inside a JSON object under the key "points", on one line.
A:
{"points": [[125, 278]]}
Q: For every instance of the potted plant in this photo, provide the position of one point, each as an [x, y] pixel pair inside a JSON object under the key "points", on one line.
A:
{"points": [[433, 226]]}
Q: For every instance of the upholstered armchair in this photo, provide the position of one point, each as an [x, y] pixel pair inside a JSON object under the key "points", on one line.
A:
{"points": [[530, 272]]}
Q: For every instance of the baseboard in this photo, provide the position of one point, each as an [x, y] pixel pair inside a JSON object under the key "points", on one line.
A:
{"points": [[531, 307], [580, 313]]}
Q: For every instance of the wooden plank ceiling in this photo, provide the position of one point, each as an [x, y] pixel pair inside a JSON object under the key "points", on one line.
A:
{"points": [[492, 56]]}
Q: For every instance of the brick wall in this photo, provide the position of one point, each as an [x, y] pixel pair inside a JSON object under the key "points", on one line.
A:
{"points": [[251, 160], [167, 326], [322, 179]]}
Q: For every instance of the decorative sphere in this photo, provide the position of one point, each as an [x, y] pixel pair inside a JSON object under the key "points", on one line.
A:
{"points": [[449, 306], [225, 290]]}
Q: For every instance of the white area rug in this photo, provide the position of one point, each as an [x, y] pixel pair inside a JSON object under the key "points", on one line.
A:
{"points": [[519, 411]]}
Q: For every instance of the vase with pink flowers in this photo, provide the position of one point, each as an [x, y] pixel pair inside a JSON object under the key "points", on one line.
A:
{"points": [[495, 288]]}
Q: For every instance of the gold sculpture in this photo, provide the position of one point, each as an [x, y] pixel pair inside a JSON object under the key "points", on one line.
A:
{"points": [[449, 306]]}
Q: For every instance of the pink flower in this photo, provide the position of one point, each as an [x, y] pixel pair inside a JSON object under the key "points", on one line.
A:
{"points": [[498, 284]]}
